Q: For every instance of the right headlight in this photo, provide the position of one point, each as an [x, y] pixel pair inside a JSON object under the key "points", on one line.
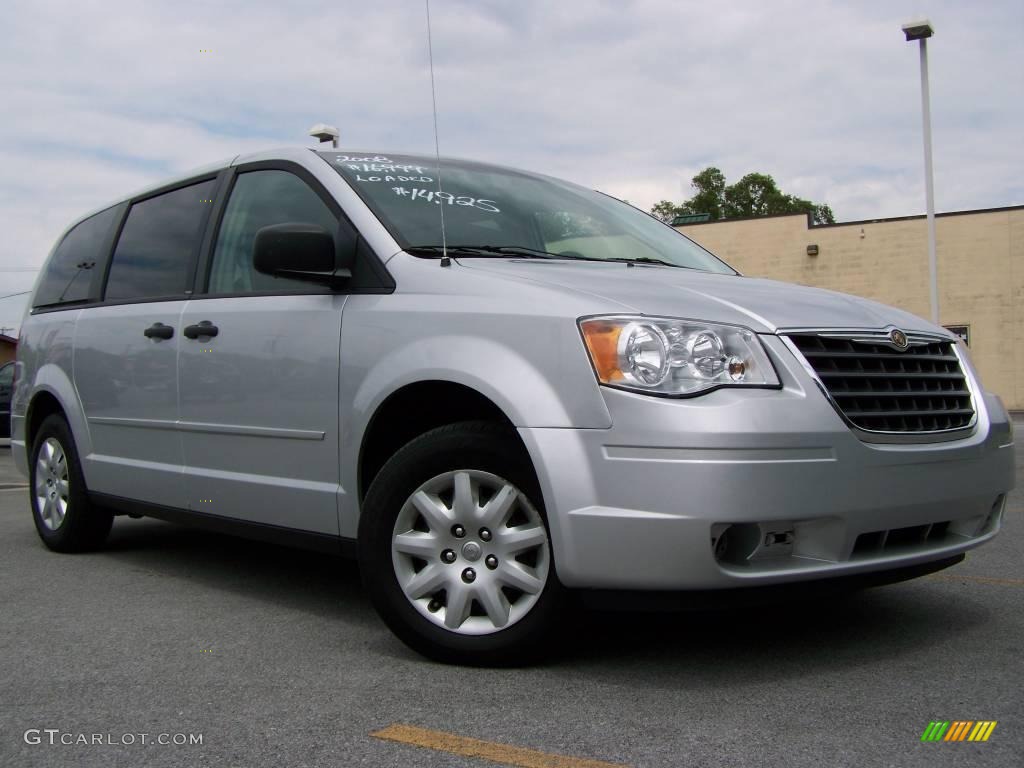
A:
{"points": [[665, 356]]}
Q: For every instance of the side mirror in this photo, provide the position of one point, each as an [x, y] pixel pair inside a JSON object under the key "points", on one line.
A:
{"points": [[303, 252]]}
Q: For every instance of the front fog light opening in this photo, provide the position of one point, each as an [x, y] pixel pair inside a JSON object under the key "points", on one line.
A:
{"points": [[992, 521], [733, 544], [720, 540], [741, 543]]}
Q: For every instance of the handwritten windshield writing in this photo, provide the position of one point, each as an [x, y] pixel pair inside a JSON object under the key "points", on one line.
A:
{"points": [[351, 159], [416, 170], [394, 178], [430, 195]]}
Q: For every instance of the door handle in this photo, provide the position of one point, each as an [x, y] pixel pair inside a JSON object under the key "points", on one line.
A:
{"points": [[158, 331], [205, 328]]}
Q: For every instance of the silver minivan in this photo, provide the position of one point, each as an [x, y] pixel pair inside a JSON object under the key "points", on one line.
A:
{"points": [[498, 389]]}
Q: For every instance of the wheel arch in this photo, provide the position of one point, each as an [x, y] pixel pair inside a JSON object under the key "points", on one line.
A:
{"points": [[44, 403], [414, 409], [54, 393]]}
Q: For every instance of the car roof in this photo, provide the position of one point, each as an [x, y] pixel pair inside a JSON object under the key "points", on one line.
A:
{"points": [[209, 168], [300, 155]]}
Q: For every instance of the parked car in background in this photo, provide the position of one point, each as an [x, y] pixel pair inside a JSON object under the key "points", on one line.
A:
{"points": [[553, 392], [6, 391]]}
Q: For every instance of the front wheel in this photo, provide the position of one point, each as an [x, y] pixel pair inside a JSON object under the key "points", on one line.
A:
{"points": [[455, 550]]}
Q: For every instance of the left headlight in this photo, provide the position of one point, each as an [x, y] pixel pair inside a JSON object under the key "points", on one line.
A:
{"points": [[665, 356]]}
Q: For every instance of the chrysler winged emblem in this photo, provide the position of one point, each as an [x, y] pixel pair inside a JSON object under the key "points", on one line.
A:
{"points": [[898, 339]]}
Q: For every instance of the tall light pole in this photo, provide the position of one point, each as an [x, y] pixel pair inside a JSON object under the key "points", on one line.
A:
{"points": [[921, 31]]}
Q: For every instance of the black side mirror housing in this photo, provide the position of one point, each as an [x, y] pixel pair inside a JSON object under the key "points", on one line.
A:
{"points": [[305, 252]]}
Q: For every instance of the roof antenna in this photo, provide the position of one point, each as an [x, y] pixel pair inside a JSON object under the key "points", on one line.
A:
{"points": [[445, 261]]}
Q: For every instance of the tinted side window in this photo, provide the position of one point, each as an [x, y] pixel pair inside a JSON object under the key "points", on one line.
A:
{"points": [[261, 199], [68, 275], [157, 248], [6, 375]]}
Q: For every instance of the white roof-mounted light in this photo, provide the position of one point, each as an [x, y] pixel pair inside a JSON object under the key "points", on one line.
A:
{"points": [[325, 132]]}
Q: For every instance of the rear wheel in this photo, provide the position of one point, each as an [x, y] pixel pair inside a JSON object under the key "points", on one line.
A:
{"points": [[65, 519], [455, 551]]}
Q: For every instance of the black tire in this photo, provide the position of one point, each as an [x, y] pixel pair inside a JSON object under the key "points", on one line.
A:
{"points": [[84, 526], [474, 446]]}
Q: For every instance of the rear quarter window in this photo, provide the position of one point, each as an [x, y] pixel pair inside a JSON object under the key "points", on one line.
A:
{"points": [[72, 275], [159, 243]]}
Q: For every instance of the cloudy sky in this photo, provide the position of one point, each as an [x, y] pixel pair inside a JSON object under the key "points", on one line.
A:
{"points": [[632, 97]]}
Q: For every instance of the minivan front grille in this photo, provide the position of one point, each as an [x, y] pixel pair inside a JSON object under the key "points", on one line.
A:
{"points": [[880, 388]]}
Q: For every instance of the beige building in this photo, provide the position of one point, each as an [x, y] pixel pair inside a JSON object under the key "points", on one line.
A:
{"points": [[981, 272]]}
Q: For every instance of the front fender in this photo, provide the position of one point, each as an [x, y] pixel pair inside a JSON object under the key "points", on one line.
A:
{"points": [[526, 394], [535, 370]]}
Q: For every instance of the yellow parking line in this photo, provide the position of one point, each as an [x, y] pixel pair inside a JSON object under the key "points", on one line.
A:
{"points": [[978, 579], [484, 750]]}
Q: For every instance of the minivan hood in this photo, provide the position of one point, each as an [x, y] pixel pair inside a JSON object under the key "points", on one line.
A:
{"points": [[761, 305]]}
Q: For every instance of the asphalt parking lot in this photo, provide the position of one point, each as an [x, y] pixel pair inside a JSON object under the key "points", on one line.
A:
{"points": [[276, 658]]}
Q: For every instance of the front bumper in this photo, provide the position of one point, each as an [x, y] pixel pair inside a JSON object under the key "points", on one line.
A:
{"points": [[642, 505]]}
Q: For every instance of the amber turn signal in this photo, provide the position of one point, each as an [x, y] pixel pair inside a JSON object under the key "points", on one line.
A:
{"points": [[602, 340]]}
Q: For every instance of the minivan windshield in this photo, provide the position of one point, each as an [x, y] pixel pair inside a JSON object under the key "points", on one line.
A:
{"points": [[499, 212]]}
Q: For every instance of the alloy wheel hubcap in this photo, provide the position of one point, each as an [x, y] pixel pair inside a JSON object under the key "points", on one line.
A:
{"points": [[470, 552], [52, 487]]}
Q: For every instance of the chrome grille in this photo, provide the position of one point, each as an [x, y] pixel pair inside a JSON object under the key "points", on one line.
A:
{"points": [[879, 388]]}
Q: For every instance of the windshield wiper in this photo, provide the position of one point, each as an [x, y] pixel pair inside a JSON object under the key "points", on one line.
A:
{"points": [[649, 260], [523, 251], [495, 250]]}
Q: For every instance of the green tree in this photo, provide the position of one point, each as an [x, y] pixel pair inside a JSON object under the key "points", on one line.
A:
{"points": [[665, 210], [710, 193], [756, 194]]}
